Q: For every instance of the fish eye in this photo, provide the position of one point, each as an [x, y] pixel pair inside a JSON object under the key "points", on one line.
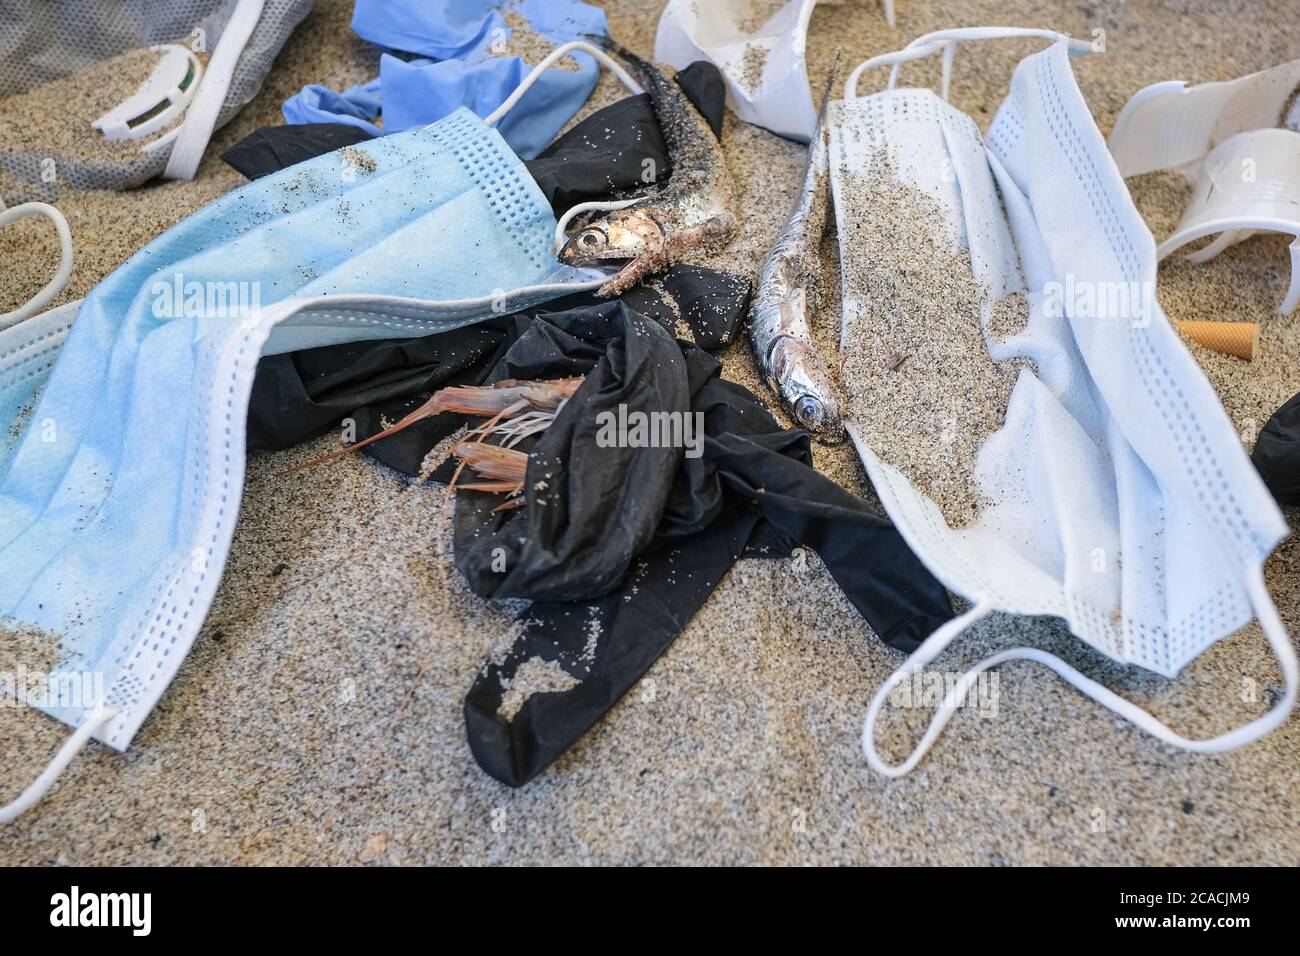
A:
{"points": [[809, 412], [589, 239]]}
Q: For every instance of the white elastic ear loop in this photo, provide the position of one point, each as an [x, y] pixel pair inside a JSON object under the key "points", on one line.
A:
{"points": [[946, 41], [50, 775], [930, 648], [43, 298], [885, 59], [601, 56], [582, 207], [1265, 611]]}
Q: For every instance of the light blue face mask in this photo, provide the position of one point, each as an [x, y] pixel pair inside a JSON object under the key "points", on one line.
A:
{"points": [[118, 501]]}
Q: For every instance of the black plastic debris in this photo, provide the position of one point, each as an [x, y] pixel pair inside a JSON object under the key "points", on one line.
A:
{"points": [[615, 151], [620, 545], [619, 150], [270, 149], [1277, 453], [704, 86], [299, 395], [692, 302]]}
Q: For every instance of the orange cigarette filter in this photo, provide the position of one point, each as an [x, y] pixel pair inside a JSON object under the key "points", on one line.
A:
{"points": [[1230, 338]]}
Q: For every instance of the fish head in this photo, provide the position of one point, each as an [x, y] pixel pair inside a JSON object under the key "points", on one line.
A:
{"points": [[801, 380], [622, 235]]}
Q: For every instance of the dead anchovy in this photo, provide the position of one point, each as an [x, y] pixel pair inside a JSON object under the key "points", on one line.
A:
{"points": [[692, 212], [787, 284]]}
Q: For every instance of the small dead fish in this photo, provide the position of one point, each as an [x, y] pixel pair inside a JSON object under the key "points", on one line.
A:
{"points": [[692, 212], [787, 282]]}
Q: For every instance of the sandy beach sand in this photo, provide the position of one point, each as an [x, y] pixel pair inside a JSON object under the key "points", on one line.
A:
{"points": [[318, 717]]}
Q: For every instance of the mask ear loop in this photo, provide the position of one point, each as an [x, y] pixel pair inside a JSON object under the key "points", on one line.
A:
{"points": [[946, 41], [43, 298], [50, 775], [931, 648], [601, 56], [582, 207], [1265, 611], [894, 60]]}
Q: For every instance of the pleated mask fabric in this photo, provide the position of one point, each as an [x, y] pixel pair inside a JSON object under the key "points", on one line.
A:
{"points": [[118, 501], [1118, 496]]}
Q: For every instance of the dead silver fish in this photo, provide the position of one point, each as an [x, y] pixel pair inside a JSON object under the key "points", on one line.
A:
{"points": [[692, 212], [787, 283]]}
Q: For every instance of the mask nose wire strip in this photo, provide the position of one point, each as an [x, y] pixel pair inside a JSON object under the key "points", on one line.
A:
{"points": [[43, 298], [1265, 611], [582, 207], [50, 775], [601, 56]]}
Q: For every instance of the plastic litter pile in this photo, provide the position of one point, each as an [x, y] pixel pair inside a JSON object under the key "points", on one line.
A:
{"points": [[480, 291]]}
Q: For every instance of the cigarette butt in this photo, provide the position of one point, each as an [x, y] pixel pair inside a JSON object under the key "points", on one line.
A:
{"points": [[1230, 338]]}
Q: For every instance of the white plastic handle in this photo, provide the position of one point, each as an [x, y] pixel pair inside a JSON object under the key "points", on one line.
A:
{"points": [[190, 139], [52, 288], [1226, 204], [946, 41], [159, 100], [1265, 611]]}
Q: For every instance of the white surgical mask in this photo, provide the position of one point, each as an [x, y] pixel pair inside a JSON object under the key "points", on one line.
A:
{"points": [[765, 70], [1113, 443], [764, 64]]}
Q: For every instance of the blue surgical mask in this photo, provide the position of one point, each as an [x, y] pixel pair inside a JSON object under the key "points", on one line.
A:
{"points": [[118, 501], [27, 353]]}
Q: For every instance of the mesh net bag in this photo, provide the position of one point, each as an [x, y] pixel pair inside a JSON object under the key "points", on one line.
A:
{"points": [[43, 43]]}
